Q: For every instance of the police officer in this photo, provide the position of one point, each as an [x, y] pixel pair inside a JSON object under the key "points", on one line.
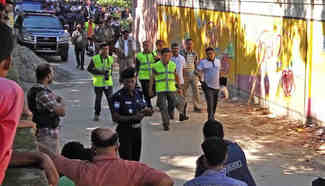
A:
{"points": [[166, 79], [101, 68], [128, 109], [144, 61]]}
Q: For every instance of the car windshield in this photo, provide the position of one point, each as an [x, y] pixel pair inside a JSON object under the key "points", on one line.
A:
{"points": [[31, 7], [42, 22]]}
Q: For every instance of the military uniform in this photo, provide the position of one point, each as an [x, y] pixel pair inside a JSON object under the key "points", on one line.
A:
{"points": [[129, 132]]}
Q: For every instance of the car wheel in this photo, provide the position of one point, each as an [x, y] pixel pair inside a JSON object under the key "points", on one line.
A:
{"points": [[64, 56]]}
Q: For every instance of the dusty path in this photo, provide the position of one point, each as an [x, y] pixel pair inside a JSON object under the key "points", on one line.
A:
{"points": [[279, 153]]}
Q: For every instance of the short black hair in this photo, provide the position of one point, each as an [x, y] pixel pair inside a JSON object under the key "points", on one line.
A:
{"points": [[104, 44], [76, 150], [6, 40], [213, 128], [209, 49], [215, 151], [188, 39], [159, 41], [175, 45], [128, 73], [165, 50], [97, 141], [42, 71]]}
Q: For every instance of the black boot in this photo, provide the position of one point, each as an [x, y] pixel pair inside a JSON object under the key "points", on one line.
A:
{"points": [[183, 117]]}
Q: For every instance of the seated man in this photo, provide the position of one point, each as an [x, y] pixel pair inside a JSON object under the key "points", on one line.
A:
{"points": [[106, 167], [236, 164], [74, 150], [11, 107], [215, 153]]}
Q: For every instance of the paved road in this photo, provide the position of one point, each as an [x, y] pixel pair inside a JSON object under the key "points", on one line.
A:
{"points": [[174, 151]]}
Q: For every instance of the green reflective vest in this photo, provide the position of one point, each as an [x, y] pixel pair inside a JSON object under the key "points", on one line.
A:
{"points": [[146, 61], [87, 25], [99, 80], [165, 77]]}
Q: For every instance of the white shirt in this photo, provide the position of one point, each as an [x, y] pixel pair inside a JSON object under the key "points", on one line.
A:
{"points": [[211, 71], [180, 63]]}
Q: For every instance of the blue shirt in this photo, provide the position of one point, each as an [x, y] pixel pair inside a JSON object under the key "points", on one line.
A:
{"points": [[236, 164], [214, 178], [126, 105], [211, 71]]}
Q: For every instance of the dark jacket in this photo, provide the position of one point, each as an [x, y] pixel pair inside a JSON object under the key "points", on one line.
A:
{"points": [[236, 164], [79, 40]]}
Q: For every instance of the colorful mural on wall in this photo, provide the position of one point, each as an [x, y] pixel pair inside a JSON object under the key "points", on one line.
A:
{"points": [[267, 56]]}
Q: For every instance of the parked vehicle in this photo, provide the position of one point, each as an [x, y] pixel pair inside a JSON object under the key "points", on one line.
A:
{"points": [[43, 33]]}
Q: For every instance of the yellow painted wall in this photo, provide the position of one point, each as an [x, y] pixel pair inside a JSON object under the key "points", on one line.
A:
{"points": [[266, 48]]}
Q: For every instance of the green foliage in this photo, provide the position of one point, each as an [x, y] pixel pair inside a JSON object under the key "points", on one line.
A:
{"points": [[119, 3]]}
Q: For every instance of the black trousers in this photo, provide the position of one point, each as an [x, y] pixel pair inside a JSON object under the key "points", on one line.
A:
{"points": [[99, 94], [80, 56], [130, 142], [211, 97], [145, 89]]}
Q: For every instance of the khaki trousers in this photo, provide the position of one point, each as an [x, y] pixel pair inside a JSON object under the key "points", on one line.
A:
{"points": [[192, 80]]}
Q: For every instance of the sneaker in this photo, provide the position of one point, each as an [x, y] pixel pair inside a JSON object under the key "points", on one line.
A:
{"points": [[183, 117], [96, 118], [197, 110]]}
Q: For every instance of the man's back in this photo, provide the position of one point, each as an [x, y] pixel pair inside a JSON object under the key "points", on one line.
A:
{"points": [[108, 170], [214, 178]]}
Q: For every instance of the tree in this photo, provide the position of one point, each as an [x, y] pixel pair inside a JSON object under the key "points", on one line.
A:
{"points": [[119, 3]]}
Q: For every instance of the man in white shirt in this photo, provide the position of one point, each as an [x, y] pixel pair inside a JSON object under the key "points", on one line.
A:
{"points": [[179, 60], [127, 49], [210, 68]]}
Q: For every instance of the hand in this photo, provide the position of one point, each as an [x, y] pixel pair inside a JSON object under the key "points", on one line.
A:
{"points": [[157, 57], [147, 111], [50, 170], [59, 99], [180, 91], [139, 116]]}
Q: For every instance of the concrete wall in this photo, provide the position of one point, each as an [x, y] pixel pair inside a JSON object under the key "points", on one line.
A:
{"points": [[279, 45]]}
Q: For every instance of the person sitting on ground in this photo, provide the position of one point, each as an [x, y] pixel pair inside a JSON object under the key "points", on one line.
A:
{"points": [[11, 107], [215, 153], [74, 150], [106, 167], [236, 164]]}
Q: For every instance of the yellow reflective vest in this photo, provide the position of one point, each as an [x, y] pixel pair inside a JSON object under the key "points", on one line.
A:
{"points": [[99, 80], [165, 77], [146, 61]]}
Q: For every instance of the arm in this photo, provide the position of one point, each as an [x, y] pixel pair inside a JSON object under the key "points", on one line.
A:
{"points": [[116, 117], [36, 158], [91, 69], [151, 81], [50, 103]]}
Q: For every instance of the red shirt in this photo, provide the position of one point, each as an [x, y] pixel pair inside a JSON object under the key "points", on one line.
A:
{"points": [[11, 107], [108, 170]]}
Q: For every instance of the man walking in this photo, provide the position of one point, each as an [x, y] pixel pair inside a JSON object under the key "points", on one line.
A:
{"points": [[144, 61], [128, 109], [210, 67], [47, 108], [190, 79], [90, 30], [79, 39], [127, 48], [165, 77], [99, 35], [101, 68], [179, 60]]}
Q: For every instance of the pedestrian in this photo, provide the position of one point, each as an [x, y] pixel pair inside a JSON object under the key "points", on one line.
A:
{"points": [[11, 107], [215, 153], [100, 67], [160, 44], [236, 163], [79, 39], [179, 60], [166, 79], [106, 168], [99, 35], [144, 61], [210, 67], [90, 30], [127, 48], [190, 79], [128, 110], [47, 108]]}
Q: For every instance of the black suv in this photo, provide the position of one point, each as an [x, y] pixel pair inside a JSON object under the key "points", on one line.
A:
{"points": [[43, 33]]}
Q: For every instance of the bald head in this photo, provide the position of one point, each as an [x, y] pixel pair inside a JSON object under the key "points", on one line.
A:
{"points": [[104, 137]]}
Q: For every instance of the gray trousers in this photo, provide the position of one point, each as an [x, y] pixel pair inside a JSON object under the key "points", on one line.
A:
{"points": [[167, 101]]}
